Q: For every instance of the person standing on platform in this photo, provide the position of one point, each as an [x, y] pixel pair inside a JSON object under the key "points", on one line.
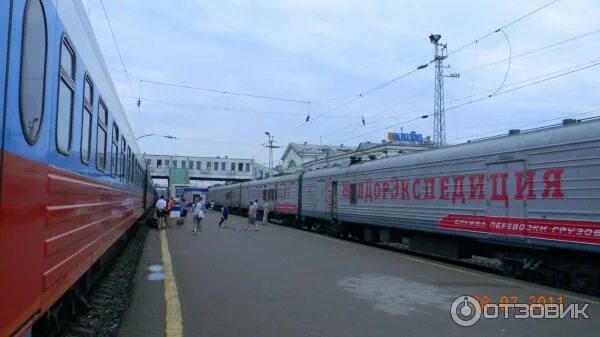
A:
{"points": [[252, 210], [198, 212], [265, 217], [224, 215], [161, 206]]}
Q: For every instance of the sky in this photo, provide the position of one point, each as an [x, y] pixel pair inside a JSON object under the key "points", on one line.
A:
{"points": [[323, 54]]}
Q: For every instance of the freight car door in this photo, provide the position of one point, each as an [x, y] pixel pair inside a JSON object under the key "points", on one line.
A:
{"points": [[334, 199], [501, 189]]}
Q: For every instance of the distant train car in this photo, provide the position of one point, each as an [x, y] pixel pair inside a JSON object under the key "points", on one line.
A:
{"points": [[540, 188], [72, 179], [531, 199], [281, 194], [226, 195]]}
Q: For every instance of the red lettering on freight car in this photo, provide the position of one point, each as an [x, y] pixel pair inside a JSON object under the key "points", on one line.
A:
{"points": [[458, 191], [369, 191], [553, 184], [386, 188], [525, 182], [405, 194], [346, 190], [377, 192], [499, 195], [429, 188], [444, 181], [476, 187], [395, 188], [416, 189]]}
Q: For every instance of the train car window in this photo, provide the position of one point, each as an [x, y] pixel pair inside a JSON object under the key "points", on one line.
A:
{"points": [[86, 120], [123, 152], [198, 165], [67, 60], [232, 166], [190, 165], [130, 171], [33, 70], [223, 166], [353, 197], [174, 163], [167, 163], [114, 162], [247, 167], [66, 93], [128, 164], [216, 167], [101, 137]]}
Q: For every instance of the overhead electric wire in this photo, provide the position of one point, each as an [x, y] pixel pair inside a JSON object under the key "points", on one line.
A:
{"points": [[530, 124], [221, 108], [227, 92], [363, 94], [533, 51], [597, 63], [509, 63], [531, 79], [386, 109], [213, 141], [117, 47], [381, 129], [502, 27], [558, 74]]}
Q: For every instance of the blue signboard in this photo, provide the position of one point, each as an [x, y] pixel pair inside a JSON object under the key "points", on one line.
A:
{"points": [[412, 137]]}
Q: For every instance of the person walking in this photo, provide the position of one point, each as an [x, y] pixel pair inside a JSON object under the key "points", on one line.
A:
{"points": [[265, 217], [224, 215], [252, 210], [161, 205], [198, 211]]}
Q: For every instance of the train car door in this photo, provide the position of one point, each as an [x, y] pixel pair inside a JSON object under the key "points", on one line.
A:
{"points": [[500, 192], [334, 199]]}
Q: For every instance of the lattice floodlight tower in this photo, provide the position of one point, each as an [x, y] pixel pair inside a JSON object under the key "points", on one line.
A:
{"points": [[439, 113]]}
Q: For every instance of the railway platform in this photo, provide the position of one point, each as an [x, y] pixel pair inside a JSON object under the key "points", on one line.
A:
{"points": [[287, 282]]}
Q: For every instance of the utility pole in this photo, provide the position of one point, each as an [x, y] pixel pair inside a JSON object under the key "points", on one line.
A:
{"points": [[270, 141], [439, 113], [439, 109]]}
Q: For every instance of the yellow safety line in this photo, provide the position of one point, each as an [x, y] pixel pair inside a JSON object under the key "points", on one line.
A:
{"points": [[173, 319]]}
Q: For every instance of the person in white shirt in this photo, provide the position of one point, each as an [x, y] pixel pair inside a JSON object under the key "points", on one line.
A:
{"points": [[252, 210], [161, 206], [198, 211]]}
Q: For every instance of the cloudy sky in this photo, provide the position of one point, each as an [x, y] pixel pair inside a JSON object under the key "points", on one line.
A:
{"points": [[329, 51]]}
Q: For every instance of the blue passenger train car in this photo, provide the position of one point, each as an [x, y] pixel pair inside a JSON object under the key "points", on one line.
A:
{"points": [[72, 179]]}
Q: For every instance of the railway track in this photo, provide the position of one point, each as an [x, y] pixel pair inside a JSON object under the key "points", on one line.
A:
{"points": [[109, 299]]}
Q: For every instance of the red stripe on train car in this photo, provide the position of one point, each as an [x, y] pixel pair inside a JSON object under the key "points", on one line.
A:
{"points": [[54, 224], [574, 231]]}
